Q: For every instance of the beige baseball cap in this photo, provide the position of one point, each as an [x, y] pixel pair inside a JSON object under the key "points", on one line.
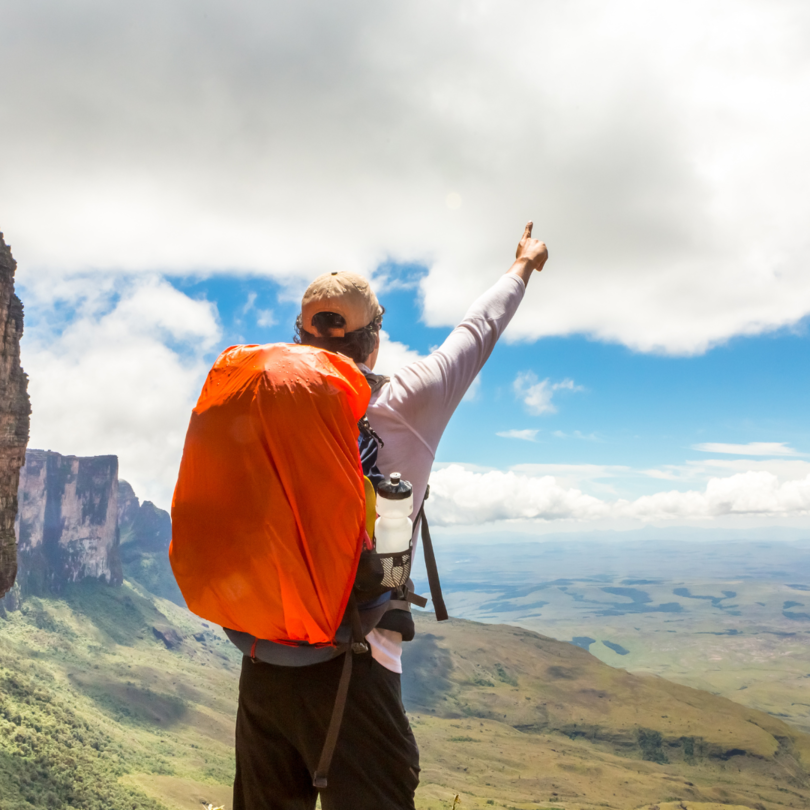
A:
{"points": [[347, 294]]}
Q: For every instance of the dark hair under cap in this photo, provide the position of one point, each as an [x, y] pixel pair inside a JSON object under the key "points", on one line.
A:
{"points": [[357, 345]]}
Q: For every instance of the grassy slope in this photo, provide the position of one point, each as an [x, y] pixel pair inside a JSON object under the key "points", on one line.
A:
{"points": [[507, 715], [97, 712], [95, 659], [745, 647]]}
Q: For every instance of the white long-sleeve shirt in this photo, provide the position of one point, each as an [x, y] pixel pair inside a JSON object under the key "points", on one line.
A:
{"points": [[411, 411]]}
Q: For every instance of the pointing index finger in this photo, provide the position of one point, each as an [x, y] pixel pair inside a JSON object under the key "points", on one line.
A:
{"points": [[527, 232]]}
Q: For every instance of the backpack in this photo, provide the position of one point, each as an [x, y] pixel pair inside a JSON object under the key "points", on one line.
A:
{"points": [[270, 467], [273, 464]]}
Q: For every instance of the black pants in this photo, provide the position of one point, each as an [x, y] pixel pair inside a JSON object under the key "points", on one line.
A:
{"points": [[281, 725]]}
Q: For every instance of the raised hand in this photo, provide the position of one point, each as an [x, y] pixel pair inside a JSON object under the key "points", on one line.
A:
{"points": [[531, 251]]}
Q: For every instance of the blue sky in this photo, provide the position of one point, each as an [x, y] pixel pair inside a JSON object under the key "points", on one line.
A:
{"points": [[177, 173], [637, 410]]}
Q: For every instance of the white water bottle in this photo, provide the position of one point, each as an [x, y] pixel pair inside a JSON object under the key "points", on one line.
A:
{"points": [[393, 530]]}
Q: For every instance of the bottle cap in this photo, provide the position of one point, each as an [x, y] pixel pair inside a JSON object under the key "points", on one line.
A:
{"points": [[395, 489]]}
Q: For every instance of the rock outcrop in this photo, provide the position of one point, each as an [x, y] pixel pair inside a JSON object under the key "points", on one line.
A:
{"points": [[168, 635], [67, 522], [15, 411], [146, 532], [77, 521], [143, 525]]}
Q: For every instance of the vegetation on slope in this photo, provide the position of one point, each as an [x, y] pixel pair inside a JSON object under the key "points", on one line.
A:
{"points": [[52, 757], [113, 698], [725, 617], [97, 712], [507, 715]]}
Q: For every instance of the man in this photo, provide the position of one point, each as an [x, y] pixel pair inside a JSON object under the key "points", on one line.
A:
{"points": [[284, 710]]}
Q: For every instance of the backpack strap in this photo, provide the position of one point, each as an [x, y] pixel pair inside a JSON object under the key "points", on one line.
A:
{"points": [[319, 780], [379, 614], [430, 564], [396, 612], [358, 645], [375, 381], [368, 432], [405, 604]]}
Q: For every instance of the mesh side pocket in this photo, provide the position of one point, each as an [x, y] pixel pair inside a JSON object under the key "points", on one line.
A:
{"points": [[396, 568]]}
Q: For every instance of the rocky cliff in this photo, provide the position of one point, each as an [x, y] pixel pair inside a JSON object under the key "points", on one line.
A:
{"points": [[67, 522], [14, 414], [146, 532]]}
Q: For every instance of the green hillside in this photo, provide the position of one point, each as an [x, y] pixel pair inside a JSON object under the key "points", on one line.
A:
{"points": [[508, 716], [112, 698], [746, 639], [97, 712]]}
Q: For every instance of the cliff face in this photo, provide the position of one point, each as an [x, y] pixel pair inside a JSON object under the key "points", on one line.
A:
{"points": [[143, 525], [14, 414], [146, 532], [67, 523]]}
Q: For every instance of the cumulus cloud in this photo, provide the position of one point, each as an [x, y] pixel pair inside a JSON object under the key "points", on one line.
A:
{"points": [[393, 355], [120, 376], [749, 493], [750, 449], [462, 496], [659, 148], [525, 435], [593, 479], [700, 471], [537, 394]]}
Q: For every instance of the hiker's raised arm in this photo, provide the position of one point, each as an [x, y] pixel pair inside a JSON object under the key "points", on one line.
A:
{"points": [[426, 393], [531, 255]]}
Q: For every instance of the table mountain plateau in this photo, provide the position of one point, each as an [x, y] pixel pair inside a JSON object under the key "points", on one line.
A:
{"points": [[67, 523], [77, 521]]}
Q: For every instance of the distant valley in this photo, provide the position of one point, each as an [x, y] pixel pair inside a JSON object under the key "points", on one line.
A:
{"points": [[729, 617]]}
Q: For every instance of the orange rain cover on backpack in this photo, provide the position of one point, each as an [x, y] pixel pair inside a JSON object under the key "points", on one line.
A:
{"points": [[268, 513]]}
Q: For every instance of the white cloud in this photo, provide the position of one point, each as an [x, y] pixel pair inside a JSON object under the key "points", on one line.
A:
{"points": [[701, 471], [537, 395], [578, 472], [121, 377], [526, 435], [461, 496], [265, 317], [393, 355], [750, 449], [660, 149], [473, 391], [250, 303], [576, 434], [784, 468], [593, 479], [751, 493]]}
